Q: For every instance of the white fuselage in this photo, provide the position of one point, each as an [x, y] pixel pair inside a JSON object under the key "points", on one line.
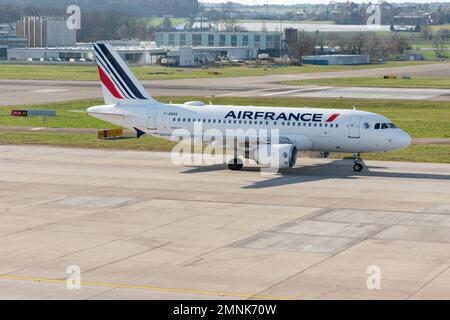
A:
{"points": [[325, 130]]}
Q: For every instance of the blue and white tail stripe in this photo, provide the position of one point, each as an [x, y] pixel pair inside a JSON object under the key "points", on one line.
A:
{"points": [[118, 81]]}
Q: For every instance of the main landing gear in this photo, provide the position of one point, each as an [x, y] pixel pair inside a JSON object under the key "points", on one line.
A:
{"points": [[357, 167], [235, 164]]}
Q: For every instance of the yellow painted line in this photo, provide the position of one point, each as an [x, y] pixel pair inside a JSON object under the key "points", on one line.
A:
{"points": [[149, 288]]}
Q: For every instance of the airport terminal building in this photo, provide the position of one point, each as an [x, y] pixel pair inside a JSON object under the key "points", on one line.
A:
{"points": [[265, 42]]}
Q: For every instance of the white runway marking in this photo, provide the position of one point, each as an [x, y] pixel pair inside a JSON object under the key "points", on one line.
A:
{"points": [[294, 91], [241, 93], [49, 90]]}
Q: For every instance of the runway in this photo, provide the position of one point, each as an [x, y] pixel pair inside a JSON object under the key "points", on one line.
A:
{"points": [[19, 92], [141, 227]]}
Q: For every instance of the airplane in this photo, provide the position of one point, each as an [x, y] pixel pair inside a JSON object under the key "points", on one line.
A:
{"points": [[129, 105]]}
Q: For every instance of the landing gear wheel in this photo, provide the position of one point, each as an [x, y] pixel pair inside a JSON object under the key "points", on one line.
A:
{"points": [[235, 165], [357, 167]]}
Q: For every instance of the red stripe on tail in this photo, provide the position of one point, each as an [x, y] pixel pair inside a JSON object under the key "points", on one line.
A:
{"points": [[108, 84], [331, 118]]}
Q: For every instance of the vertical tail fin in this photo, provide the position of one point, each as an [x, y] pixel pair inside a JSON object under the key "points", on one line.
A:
{"points": [[118, 82]]}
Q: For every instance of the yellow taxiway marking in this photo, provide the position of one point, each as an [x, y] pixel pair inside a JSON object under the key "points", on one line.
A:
{"points": [[149, 288]]}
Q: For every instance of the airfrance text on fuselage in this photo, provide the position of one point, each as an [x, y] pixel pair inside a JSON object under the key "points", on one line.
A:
{"points": [[251, 115]]}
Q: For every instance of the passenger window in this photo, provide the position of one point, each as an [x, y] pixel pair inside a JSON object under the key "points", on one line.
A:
{"points": [[337, 125], [331, 125], [326, 125], [377, 126]]}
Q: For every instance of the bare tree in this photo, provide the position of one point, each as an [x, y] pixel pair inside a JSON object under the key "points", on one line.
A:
{"points": [[357, 43], [231, 25], [399, 45], [372, 46], [333, 40], [426, 32], [439, 47], [303, 46]]}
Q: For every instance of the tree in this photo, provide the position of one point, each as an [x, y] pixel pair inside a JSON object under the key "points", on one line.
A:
{"points": [[439, 47], [166, 23], [372, 46], [426, 32], [398, 45], [356, 44], [231, 25], [303, 46]]}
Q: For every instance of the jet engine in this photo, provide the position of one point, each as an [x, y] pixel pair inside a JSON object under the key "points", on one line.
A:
{"points": [[276, 155]]}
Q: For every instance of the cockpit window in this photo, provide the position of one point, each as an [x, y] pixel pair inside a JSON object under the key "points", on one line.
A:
{"points": [[377, 126], [392, 126], [384, 126]]}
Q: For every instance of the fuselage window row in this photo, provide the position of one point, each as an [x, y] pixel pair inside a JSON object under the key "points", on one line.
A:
{"points": [[275, 123]]}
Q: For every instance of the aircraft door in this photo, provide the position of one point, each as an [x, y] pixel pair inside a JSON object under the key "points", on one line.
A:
{"points": [[151, 119], [353, 126]]}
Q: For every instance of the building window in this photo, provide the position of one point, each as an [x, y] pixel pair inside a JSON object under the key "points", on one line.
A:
{"points": [[182, 39], [210, 40], [234, 40], [196, 40], [171, 39], [222, 40], [245, 40], [257, 40], [269, 41]]}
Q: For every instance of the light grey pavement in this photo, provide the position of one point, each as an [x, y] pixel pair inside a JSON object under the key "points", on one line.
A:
{"points": [[17, 92], [140, 227]]}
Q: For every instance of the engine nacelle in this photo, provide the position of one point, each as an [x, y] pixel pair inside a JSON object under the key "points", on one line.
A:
{"points": [[276, 155]]}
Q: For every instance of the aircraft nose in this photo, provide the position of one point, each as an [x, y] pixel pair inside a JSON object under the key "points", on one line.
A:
{"points": [[403, 139]]}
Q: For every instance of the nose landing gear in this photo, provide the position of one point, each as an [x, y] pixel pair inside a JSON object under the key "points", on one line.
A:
{"points": [[357, 167], [235, 164]]}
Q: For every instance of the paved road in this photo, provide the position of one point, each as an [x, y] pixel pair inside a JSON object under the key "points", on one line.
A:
{"points": [[17, 92], [140, 227]]}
